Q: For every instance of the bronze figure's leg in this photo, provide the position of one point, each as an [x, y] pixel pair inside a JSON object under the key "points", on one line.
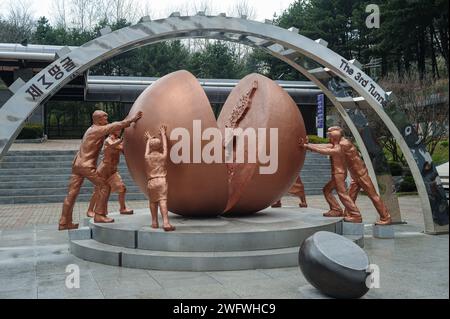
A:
{"points": [[367, 185], [104, 190], [90, 212], [353, 192], [165, 215], [123, 207], [154, 212], [119, 186], [301, 194], [65, 222], [298, 189], [354, 216], [335, 208], [276, 204]]}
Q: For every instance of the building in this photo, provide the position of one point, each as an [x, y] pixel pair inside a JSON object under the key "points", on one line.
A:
{"points": [[64, 117]]}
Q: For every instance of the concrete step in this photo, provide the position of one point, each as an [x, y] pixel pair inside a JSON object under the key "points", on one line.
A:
{"points": [[40, 153], [53, 169], [42, 164], [47, 178], [94, 251], [62, 161], [43, 176], [322, 179], [4, 200], [264, 240], [87, 189], [64, 181], [313, 191], [45, 171], [224, 234], [38, 158]]}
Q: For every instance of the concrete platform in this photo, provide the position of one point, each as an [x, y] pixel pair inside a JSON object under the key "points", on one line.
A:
{"points": [[268, 239]]}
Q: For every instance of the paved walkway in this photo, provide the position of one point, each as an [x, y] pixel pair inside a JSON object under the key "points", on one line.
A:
{"points": [[34, 257], [16, 216]]}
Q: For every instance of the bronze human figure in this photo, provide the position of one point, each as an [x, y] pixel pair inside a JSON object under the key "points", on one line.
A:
{"points": [[156, 172], [338, 176], [361, 179], [85, 166], [107, 169]]}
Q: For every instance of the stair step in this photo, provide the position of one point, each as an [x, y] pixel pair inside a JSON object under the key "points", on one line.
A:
{"points": [[60, 198], [37, 158], [94, 251], [43, 171], [46, 178], [88, 189], [42, 165], [40, 153], [43, 176]]}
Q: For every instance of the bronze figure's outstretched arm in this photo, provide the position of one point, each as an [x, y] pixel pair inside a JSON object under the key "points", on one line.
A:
{"points": [[147, 146], [324, 149], [115, 143], [162, 130], [109, 128]]}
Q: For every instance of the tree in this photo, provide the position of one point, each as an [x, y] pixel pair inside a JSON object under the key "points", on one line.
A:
{"points": [[216, 61], [44, 32], [18, 24]]}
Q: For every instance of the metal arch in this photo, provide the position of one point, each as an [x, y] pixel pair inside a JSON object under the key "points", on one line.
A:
{"points": [[15, 111]]}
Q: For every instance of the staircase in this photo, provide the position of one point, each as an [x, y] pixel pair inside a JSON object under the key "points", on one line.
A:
{"points": [[43, 176], [444, 176]]}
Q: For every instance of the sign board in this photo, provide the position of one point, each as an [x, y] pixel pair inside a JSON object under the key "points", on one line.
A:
{"points": [[320, 115]]}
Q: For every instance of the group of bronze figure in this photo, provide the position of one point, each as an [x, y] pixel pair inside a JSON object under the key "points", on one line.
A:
{"points": [[105, 176], [106, 179], [344, 158]]}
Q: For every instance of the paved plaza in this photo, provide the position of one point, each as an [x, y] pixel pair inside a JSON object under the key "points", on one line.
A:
{"points": [[34, 257]]}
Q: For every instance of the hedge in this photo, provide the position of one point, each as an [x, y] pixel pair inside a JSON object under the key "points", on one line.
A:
{"points": [[31, 131]]}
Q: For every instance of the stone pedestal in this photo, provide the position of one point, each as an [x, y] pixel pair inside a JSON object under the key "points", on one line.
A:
{"points": [[268, 239], [81, 233], [383, 231], [86, 221], [353, 229]]}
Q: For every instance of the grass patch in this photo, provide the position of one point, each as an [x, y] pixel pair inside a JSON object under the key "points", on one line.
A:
{"points": [[402, 194], [440, 154]]}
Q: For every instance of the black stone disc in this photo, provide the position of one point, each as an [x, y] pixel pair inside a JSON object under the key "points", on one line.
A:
{"points": [[334, 265]]}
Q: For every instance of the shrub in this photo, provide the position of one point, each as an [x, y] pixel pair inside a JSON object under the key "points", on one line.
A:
{"points": [[408, 184], [314, 139], [396, 168], [31, 131]]}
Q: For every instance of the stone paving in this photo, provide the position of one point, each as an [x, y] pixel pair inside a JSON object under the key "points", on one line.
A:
{"points": [[34, 256], [17, 216]]}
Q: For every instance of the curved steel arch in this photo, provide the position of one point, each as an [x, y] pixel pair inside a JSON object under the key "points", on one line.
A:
{"points": [[47, 82]]}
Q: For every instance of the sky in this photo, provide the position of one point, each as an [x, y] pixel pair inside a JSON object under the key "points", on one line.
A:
{"points": [[264, 9]]}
